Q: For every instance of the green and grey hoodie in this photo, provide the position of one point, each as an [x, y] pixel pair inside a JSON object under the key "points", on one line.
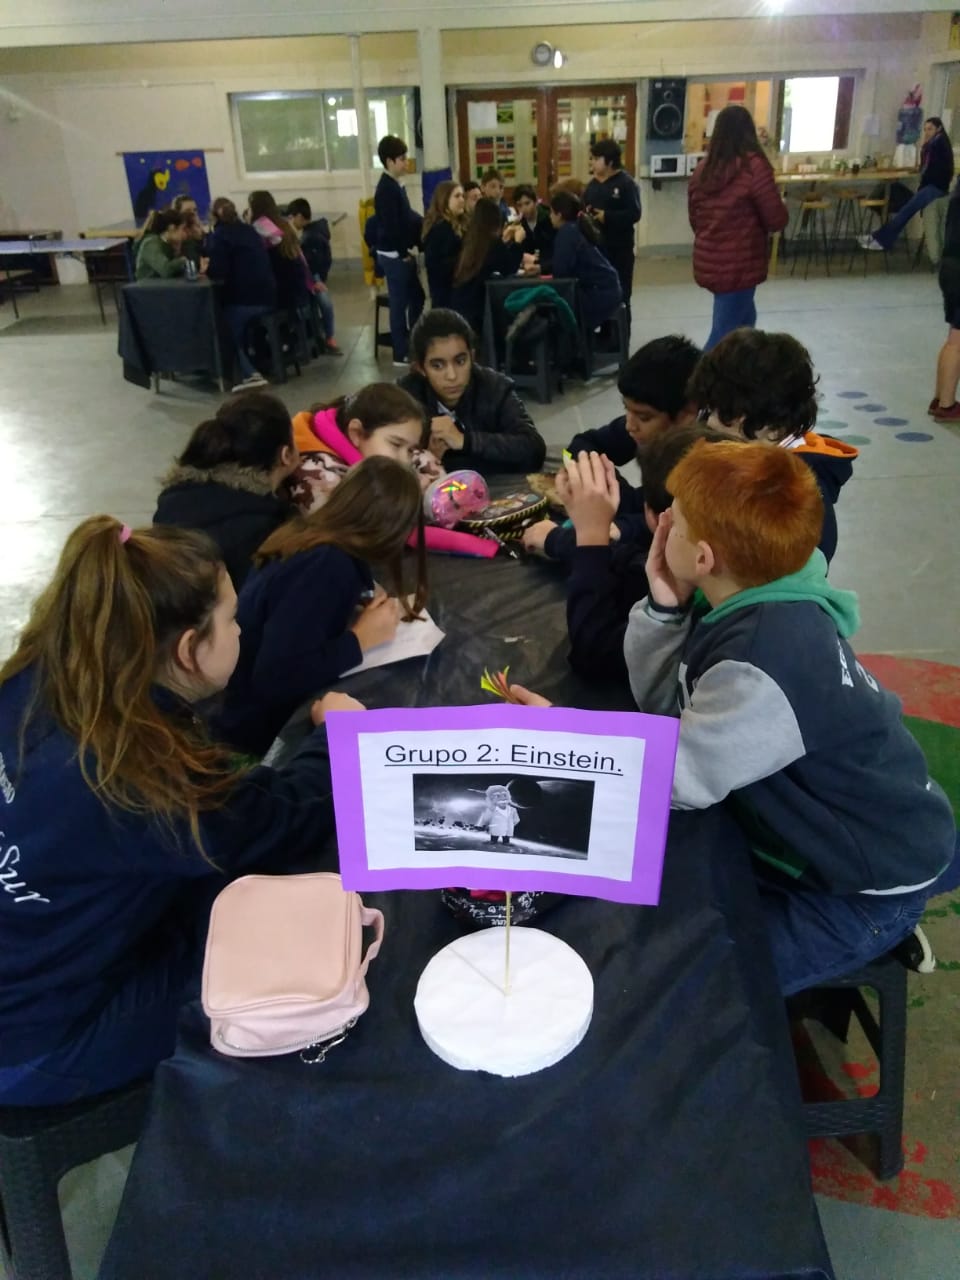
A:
{"points": [[777, 714]]}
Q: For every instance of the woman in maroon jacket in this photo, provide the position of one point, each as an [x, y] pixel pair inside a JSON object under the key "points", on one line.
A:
{"points": [[733, 206]]}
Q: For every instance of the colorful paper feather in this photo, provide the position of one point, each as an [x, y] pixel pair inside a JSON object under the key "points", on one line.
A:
{"points": [[497, 684]]}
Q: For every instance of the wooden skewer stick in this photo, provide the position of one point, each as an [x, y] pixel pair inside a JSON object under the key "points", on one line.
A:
{"points": [[506, 972]]}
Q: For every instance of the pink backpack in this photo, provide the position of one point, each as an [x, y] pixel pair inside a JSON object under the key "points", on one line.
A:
{"points": [[284, 968]]}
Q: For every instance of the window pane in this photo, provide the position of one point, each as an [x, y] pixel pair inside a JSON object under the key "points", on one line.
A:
{"points": [[340, 120], [390, 111], [810, 113], [280, 132]]}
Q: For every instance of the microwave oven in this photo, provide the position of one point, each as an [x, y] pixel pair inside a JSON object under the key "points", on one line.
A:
{"points": [[693, 159], [668, 166]]}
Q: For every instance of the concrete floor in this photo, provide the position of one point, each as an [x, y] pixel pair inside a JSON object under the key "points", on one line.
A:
{"points": [[75, 439]]}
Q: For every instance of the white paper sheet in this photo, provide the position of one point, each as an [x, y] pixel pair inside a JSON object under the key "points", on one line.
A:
{"points": [[413, 640], [481, 115]]}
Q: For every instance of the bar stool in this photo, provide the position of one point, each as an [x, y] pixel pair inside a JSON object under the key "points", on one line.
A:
{"points": [[846, 221], [870, 207], [811, 227]]}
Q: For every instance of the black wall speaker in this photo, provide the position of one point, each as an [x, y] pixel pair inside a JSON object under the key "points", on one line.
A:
{"points": [[665, 110]]}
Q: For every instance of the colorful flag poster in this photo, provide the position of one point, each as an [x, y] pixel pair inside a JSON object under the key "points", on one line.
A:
{"points": [[156, 178], [503, 797]]}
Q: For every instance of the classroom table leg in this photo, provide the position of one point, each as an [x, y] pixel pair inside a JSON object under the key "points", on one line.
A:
{"points": [[12, 289], [99, 288], [774, 253]]}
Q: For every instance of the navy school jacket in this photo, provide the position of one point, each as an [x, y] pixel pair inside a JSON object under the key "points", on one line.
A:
{"points": [[89, 894]]}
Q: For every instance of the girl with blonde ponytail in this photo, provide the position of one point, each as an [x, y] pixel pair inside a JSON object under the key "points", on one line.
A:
{"points": [[120, 815]]}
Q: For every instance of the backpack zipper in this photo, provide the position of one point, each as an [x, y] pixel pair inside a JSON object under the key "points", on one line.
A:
{"points": [[330, 1041]]}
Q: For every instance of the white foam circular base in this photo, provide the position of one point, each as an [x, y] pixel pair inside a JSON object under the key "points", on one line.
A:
{"points": [[469, 1022]]}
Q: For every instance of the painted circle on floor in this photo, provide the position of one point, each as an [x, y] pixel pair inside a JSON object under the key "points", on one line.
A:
{"points": [[834, 424], [857, 440], [891, 422], [914, 437], [852, 395], [870, 408]]}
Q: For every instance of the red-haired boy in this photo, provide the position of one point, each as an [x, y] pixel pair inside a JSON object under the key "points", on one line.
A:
{"points": [[778, 716]]}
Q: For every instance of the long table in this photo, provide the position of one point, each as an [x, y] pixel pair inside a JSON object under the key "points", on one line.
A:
{"points": [[62, 248], [667, 1146]]}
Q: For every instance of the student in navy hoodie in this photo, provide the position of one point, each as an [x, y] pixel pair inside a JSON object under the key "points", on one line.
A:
{"points": [[121, 816], [311, 609], [576, 253], [231, 480]]}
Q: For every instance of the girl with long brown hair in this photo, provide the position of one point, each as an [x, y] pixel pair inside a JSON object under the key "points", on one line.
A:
{"points": [[311, 608], [442, 237], [489, 248], [734, 205], [122, 816], [295, 284]]}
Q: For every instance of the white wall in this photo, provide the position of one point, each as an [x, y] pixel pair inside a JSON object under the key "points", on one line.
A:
{"points": [[65, 113]]}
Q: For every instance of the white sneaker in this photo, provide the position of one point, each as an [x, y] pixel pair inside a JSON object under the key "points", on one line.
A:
{"points": [[250, 384], [868, 242]]}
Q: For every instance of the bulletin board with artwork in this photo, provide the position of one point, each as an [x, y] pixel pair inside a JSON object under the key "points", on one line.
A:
{"points": [[156, 178]]}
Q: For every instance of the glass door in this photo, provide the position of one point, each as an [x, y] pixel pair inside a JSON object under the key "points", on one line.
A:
{"points": [[543, 136], [581, 115], [502, 129]]}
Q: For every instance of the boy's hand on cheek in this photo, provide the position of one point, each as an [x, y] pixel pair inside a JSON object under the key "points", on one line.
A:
{"points": [[664, 588]]}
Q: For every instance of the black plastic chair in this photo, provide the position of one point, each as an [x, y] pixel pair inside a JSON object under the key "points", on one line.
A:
{"points": [[833, 1003], [381, 337], [38, 1145], [610, 349], [542, 371], [284, 339]]}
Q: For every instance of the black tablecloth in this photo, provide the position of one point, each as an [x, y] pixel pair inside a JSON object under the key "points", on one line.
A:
{"points": [[667, 1145], [171, 326]]}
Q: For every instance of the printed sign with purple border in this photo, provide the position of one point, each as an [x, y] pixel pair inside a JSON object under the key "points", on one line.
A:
{"points": [[503, 797]]}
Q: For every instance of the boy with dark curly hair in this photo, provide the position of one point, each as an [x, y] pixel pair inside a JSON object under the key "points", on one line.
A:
{"points": [[761, 386]]}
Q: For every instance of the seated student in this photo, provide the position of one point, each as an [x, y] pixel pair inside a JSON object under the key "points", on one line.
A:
{"points": [[123, 817], [471, 194], [536, 223], [315, 247], [762, 386], [489, 248], [310, 610], [576, 254], [229, 482], [443, 229], [158, 255], [194, 235], [380, 421], [607, 573], [653, 387], [477, 420], [240, 264], [778, 717], [492, 188], [295, 285]]}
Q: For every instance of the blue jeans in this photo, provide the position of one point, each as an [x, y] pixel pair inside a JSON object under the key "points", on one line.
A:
{"points": [[888, 233], [137, 1027], [237, 319], [325, 303], [731, 311], [817, 935], [406, 300]]}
